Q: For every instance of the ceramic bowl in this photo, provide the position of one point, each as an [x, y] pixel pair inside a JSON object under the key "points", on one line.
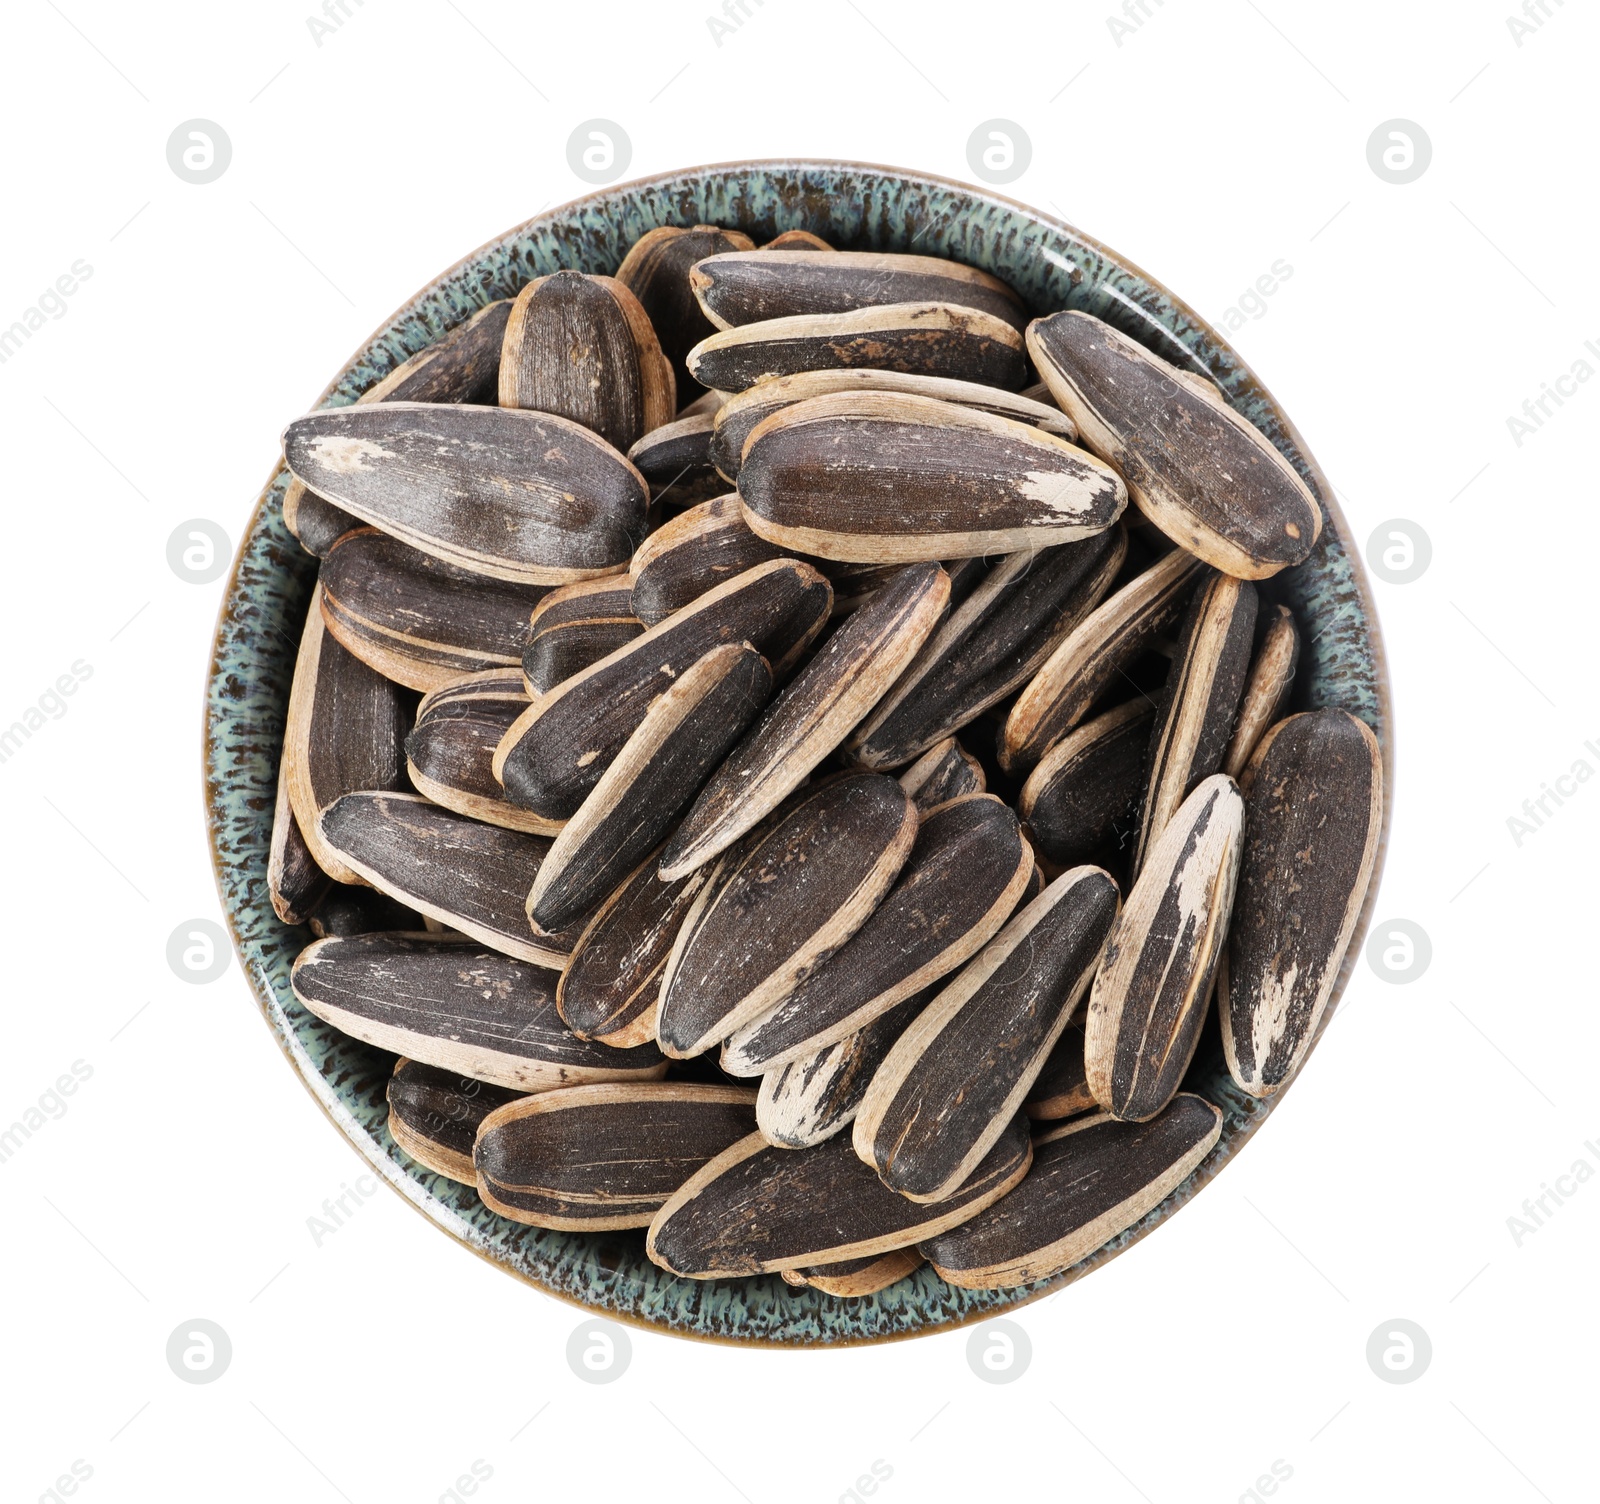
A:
{"points": [[1052, 266]]}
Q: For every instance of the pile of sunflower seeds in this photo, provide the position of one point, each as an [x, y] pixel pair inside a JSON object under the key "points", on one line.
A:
{"points": [[736, 708]]}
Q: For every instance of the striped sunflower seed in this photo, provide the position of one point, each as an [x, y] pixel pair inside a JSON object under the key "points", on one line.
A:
{"points": [[854, 1278], [575, 626], [1085, 792], [796, 240], [1061, 1089], [944, 772], [676, 460], [695, 552], [434, 1116], [350, 910], [295, 883], [1267, 690]]}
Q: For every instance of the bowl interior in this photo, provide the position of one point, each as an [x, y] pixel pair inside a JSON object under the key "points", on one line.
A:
{"points": [[1052, 266]]}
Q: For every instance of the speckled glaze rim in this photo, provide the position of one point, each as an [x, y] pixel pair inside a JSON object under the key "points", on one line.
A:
{"points": [[855, 205]]}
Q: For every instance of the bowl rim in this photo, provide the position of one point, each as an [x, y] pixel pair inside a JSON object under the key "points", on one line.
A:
{"points": [[1246, 382]]}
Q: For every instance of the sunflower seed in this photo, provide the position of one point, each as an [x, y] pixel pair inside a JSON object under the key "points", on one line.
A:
{"points": [[513, 495], [597, 1157], [656, 271], [988, 646], [1266, 691], [295, 883], [750, 287], [470, 693], [797, 240], [856, 584], [362, 911], [1210, 480], [551, 758], [693, 553], [612, 984], [576, 626], [676, 460], [1086, 789], [1091, 1181], [854, 1278], [1313, 813], [447, 1001], [944, 772], [967, 870], [1061, 1089], [812, 716], [923, 339], [581, 347], [434, 1116], [1095, 654], [346, 731], [963, 1068], [468, 875], [885, 477], [1149, 1000], [318, 524], [788, 897], [817, 1206], [739, 415], [1194, 717], [684, 734]]}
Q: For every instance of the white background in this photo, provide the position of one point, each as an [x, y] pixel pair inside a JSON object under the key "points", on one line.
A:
{"points": [[1215, 140]]}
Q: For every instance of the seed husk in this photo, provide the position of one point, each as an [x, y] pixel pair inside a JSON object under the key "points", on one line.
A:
{"points": [[295, 883], [695, 552], [796, 240], [966, 873], [1091, 1180], [362, 911], [853, 1278], [1061, 1089], [856, 584], [656, 271], [597, 1157], [318, 524], [513, 495], [1195, 714], [886, 477], [416, 619], [812, 716], [612, 984], [963, 1068], [551, 758], [676, 460], [434, 1116], [788, 897], [1210, 480], [449, 1002], [818, 1206], [581, 347], [470, 876], [944, 772], [1266, 691], [1149, 1000], [741, 413], [576, 626], [683, 736], [922, 339], [988, 646], [1313, 813], [1089, 784], [346, 731], [1094, 655]]}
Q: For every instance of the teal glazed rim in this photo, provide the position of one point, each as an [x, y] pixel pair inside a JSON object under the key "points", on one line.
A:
{"points": [[853, 206]]}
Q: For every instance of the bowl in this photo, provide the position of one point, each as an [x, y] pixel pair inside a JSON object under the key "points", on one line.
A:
{"points": [[853, 206]]}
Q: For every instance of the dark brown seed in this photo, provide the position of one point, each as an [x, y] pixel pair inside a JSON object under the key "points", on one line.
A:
{"points": [[447, 1001], [514, 495], [1313, 814], [346, 731], [683, 736], [363, 911], [1094, 655], [551, 758], [963, 1068], [788, 897], [450, 757], [576, 626], [597, 1157], [797, 240], [923, 339], [695, 552], [676, 460], [612, 983], [470, 876], [1204, 475], [854, 1278], [656, 270], [464, 695], [1061, 1089], [1150, 998], [1086, 790], [944, 772], [988, 646], [581, 347], [739, 415], [1090, 1182], [1195, 714], [817, 1206], [295, 883], [434, 1116], [856, 584], [318, 524], [416, 619], [1266, 691], [812, 716], [966, 872]]}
